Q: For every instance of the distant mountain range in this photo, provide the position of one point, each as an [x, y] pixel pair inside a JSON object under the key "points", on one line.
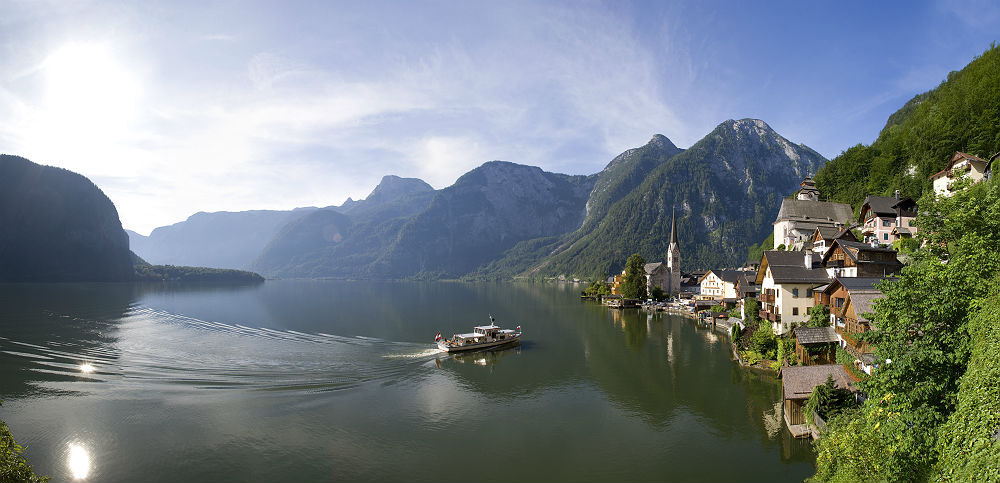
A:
{"points": [[504, 220]]}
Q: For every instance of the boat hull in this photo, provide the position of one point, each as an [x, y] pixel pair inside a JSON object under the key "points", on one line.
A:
{"points": [[484, 345]]}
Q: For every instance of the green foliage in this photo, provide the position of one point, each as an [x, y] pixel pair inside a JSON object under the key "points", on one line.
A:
{"points": [[961, 114], [819, 316], [657, 293], [597, 287], [750, 358], [634, 285], [968, 448], [734, 334], [906, 245], [14, 467], [171, 273], [734, 312], [828, 400], [780, 247], [751, 307], [716, 309], [756, 252], [927, 329], [784, 350], [764, 342]]}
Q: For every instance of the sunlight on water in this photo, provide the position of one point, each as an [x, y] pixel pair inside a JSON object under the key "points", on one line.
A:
{"points": [[79, 461], [86, 368]]}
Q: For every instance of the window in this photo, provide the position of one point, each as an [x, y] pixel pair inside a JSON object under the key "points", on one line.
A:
{"points": [[885, 236], [839, 303], [886, 222], [795, 292], [795, 311], [809, 292], [909, 222]]}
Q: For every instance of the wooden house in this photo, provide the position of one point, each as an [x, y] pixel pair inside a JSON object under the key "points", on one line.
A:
{"points": [[850, 301], [855, 259], [797, 384], [886, 218], [816, 345]]}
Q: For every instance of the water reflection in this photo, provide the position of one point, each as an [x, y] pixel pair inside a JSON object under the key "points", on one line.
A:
{"points": [[78, 461], [480, 358]]}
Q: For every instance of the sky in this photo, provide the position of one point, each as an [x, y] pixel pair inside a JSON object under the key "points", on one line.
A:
{"points": [[177, 107]]}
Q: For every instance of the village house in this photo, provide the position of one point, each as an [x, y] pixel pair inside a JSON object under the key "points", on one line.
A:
{"points": [[850, 301], [959, 166], [886, 218], [816, 345], [720, 284], [824, 236], [854, 259], [746, 288], [798, 218], [797, 384], [786, 281]]}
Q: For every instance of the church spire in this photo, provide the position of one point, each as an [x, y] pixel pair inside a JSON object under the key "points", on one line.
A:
{"points": [[673, 227]]}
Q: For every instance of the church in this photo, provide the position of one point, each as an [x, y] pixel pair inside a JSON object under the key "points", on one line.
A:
{"points": [[667, 275]]}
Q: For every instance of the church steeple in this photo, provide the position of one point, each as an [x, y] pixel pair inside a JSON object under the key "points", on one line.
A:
{"points": [[673, 227]]}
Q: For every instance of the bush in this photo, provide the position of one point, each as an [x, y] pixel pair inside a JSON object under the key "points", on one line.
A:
{"points": [[13, 465], [750, 358], [764, 342]]}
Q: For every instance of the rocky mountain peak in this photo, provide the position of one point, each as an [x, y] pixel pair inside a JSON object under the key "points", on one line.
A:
{"points": [[392, 187]]}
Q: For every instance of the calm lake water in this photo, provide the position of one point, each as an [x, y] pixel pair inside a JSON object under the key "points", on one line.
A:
{"points": [[331, 381]]}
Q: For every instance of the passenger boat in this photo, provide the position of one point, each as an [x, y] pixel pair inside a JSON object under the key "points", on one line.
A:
{"points": [[482, 337]]}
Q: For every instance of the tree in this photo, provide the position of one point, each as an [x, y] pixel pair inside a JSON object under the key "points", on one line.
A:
{"points": [[634, 285], [819, 316], [926, 321], [13, 465], [751, 307], [658, 293]]}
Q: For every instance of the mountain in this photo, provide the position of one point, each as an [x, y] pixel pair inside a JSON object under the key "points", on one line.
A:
{"points": [[57, 227], [345, 241], [486, 212], [917, 141], [725, 189], [220, 240]]}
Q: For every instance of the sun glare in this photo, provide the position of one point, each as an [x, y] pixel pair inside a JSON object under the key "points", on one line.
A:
{"points": [[79, 461], [91, 98]]}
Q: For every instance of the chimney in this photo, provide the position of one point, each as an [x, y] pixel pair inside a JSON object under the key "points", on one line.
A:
{"points": [[809, 259]]}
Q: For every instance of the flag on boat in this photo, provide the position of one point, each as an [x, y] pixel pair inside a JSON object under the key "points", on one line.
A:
{"points": [[437, 337], [519, 327]]}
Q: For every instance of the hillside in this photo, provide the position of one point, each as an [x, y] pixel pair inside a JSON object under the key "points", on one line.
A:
{"points": [[961, 114], [57, 227], [726, 190], [219, 240]]}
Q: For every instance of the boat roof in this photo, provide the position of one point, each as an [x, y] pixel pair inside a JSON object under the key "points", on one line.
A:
{"points": [[507, 330], [469, 336], [486, 327]]}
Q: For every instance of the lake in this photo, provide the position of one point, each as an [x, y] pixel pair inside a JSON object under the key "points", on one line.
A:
{"points": [[335, 381]]}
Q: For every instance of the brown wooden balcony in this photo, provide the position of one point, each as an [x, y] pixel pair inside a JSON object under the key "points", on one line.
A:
{"points": [[766, 298]]}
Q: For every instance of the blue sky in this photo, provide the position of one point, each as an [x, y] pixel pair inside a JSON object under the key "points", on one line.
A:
{"points": [[195, 106]]}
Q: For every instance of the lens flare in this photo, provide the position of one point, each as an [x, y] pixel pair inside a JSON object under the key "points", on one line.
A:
{"points": [[79, 461]]}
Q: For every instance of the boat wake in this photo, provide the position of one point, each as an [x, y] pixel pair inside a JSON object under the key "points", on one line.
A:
{"points": [[156, 348]]}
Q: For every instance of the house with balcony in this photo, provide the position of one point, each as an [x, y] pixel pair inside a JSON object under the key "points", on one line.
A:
{"points": [[850, 300], [854, 259], [886, 218], [961, 165], [786, 281], [720, 284], [824, 236]]}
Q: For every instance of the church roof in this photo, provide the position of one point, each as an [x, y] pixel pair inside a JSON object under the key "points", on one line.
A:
{"points": [[818, 212]]}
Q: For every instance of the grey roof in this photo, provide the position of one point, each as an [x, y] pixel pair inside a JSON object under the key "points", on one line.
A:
{"points": [[797, 382], [853, 248], [828, 232], [779, 257], [856, 285], [863, 302], [901, 230], [651, 267], [815, 335], [798, 274], [815, 211], [881, 205]]}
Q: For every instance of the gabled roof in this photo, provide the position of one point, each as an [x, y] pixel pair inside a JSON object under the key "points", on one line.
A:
{"points": [[815, 335], [881, 205], [825, 232], [855, 285], [797, 382], [789, 266], [958, 156], [728, 276], [863, 303], [651, 267], [846, 234], [853, 249], [820, 212], [798, 274]]}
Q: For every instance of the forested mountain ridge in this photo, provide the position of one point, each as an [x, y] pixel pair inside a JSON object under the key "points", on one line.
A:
{"points": [[57, 226], [960, 114], [726, 190]]}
